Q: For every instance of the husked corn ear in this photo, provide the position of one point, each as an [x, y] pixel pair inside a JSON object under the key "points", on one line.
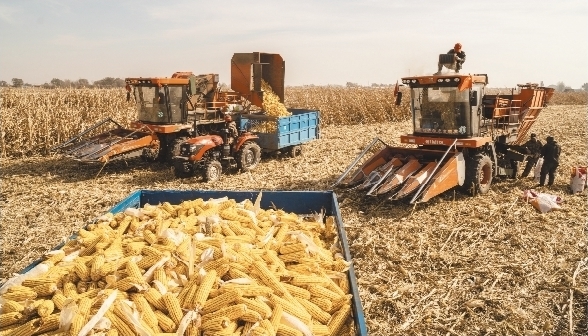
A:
{"points": [[45, 308], [216, 324], [324, 303], [20, 295], [120, 325], [127, 283], [10, 306], [45, 289], [48, 323], [268, 278], [82, 271], [154, 297], [276, 315], [250, 290], [26, 329], [256, 305], [339, 319], [96, 266], [268, 326], [251, 316], [34, 282], [319, 329], [284, 330], [297, 291], [337, 304], [165, 323], [112, 332], [315, 311], [159, 275], [7, 319], [291, 248], [231, 312], [205, 288], [145, 309], [317, 290], [291, 308], [77, 323], [221, 301], [133, 270], [173, 307]]}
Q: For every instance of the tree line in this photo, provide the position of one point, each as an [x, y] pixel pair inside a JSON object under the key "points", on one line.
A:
{"points": [[106, 82]]}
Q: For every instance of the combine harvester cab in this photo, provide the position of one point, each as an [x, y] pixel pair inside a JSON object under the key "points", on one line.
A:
{"points": [[462, 137]]}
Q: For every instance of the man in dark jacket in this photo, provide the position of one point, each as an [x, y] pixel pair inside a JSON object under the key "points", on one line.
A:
{"points": [[534, 147], [550, 153], [459, 56]]}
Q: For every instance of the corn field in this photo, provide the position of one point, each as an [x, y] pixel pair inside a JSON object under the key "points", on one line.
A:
{"points": [[33, 120]]}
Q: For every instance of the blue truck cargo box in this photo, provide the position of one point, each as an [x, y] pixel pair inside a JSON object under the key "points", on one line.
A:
{"points": [[301, 127], [299, 202]]}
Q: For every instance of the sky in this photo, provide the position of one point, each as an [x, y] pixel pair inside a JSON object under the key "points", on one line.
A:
{"points": [[322, 42]]}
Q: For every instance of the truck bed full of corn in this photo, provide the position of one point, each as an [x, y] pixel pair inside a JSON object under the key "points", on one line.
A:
{"points": [[456, 265], [197, 268]]}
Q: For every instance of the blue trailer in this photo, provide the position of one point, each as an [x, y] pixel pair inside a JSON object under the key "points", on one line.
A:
{"points": [[300, 202], [287, 133]]}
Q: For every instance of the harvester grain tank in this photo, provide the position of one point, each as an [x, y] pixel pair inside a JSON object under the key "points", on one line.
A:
{"points": [[461, 137]]}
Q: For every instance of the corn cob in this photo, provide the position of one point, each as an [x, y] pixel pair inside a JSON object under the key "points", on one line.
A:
{"points": [[220, 301], [317, 290], [320, 329], [339, 319], [268, 278], [155, 298], [231, 312], [165, 323], [204, 289], [291, 308], [173, 307], [337, 304], [45, 308], [315, 311], [324, 303], [7, 319], [26, 329], [256, 305], [10, 306], [145, 309], [119, 324], [48, 323], [284, 330], [296, 291]]}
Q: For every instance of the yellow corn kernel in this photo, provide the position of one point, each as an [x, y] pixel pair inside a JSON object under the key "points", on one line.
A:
{"points": [[220, 301], [134, 248], [7, 319], [150, 237], [124, 224], [173, 307], [82, 271], [133, 270], [276, 315], [45, 308], [165, 323], [216, 324], [249, 290], [34, 282], [10, 306], [127, 283], [160, 275], [251, 316], [293, 257], [268, 326], [91, 246], [291, 248], [78, 322], [148, 261], [204, 289], [339, 319], [95, 267]]}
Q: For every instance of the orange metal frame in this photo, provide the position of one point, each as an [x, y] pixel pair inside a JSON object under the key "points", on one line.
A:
{"points": [[474, 142]]}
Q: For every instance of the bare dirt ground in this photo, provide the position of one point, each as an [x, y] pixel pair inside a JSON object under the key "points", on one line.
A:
{"points": [[489, 265]]}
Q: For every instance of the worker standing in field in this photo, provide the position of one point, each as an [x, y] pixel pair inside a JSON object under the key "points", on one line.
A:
{"points": [[550, 153], [459, 57], [534, 147]]}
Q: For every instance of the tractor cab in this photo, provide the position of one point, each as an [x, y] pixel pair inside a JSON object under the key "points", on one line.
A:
{"points": [[159, 104], [446, 106]]}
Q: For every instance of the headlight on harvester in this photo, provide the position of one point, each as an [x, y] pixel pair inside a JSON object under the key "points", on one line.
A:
{"points": [[440, 80], [456, 79], [447, 79]]}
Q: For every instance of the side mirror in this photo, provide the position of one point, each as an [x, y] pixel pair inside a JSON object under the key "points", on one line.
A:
{"points": [[128, 96], [474, 98], [398, 98]]}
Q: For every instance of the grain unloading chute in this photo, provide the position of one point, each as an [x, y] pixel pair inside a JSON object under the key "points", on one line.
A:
{"points": [[462, 137], [249, 69]]}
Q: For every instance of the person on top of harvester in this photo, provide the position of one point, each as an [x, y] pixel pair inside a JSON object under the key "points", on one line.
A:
{"points": [[550, 153], [534, 147], [459, 56]]}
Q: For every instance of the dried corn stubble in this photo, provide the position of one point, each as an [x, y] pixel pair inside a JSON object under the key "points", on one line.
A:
{"points": [[234, 281]]}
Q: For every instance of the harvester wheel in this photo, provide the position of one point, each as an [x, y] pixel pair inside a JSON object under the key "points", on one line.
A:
{"points": [[478, 174], [212, 171], [295, 151], [248, 156]]}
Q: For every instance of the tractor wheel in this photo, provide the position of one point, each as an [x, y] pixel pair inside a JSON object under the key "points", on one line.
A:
{"points": [[183, 169], [212, 171], [478, 176], [248, 156], [295, 151]]}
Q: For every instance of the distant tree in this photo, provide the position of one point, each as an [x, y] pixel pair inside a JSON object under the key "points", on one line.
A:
{"points": [[110, 82], [585, 86], [350, 84], [47, 86], [57, 82], [82, 82], [560, 86], [17, 82], [3, 83]]}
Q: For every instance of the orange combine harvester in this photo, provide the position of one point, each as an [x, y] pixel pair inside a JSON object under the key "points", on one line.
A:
{"points": [[461, 137]]}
